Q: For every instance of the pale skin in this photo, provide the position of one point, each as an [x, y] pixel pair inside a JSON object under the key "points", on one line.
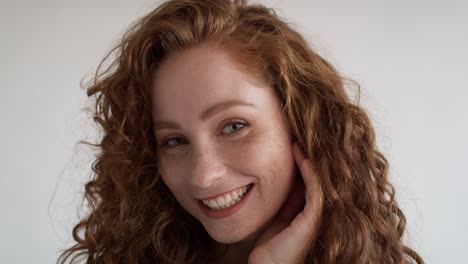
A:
{"points": [[294, 230], [292, 233], [209, 156]]}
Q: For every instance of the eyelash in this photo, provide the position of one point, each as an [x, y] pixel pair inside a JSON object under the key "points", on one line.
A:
{"points": [[164, 144]]}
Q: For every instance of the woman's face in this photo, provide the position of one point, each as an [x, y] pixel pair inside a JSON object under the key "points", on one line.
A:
{"points": [[223, 143]]}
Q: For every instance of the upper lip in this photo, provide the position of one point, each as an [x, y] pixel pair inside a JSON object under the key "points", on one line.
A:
{"points": [[221, 194]]}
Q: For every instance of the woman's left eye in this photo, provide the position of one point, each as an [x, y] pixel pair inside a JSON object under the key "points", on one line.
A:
{"points": [[233, 127]]}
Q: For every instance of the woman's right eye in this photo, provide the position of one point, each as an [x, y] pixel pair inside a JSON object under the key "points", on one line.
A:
{"points": [[172, 142]]}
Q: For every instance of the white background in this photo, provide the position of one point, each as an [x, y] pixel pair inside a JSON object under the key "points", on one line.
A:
{"points": [[410, 58]]}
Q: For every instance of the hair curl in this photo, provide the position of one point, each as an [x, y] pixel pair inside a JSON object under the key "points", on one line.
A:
{"points": [[134, 218]]}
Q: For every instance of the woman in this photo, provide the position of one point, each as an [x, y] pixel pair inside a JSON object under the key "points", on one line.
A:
{"points": [[228, 140]]}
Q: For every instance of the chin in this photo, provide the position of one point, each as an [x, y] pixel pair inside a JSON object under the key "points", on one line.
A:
{"points": [[229, 236]]}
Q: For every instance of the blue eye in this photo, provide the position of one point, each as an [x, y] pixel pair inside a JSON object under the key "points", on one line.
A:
{"points": [[236, 126], [175, 141], [233, 127]]}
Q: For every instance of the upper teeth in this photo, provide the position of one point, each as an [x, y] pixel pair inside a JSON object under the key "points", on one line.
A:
{"points": [[226, 200]]}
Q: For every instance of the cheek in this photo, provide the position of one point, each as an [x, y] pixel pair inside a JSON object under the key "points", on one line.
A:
{"points": [[265, 155], [170, 170]]}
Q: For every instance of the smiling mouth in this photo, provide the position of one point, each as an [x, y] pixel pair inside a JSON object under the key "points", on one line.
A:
{"points": [[227, 200]]}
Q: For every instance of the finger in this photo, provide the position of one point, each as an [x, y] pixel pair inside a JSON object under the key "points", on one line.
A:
{"points": [[291, 208], [304, 166], [314, 195], [294, 203]]}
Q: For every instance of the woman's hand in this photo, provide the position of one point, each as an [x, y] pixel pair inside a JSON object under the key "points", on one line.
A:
{"points": [[296, 226]]}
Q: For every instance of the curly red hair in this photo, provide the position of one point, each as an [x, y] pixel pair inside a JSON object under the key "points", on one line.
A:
{"points": [[134, 218]]}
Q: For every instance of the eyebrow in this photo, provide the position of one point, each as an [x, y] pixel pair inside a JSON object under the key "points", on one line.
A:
{"points": [[209, 112]]}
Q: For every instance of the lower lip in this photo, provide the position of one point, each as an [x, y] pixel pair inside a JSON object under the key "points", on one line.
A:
{"points": [[226, 211]]}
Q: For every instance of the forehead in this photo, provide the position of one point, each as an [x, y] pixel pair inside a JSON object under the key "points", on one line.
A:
{"points": [[190, 80]]}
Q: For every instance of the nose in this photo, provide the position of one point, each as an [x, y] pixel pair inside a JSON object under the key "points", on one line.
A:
{"points": [[207, 168]]}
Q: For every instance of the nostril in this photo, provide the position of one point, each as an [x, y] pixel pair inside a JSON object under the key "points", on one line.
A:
{"points": [[206, 169], [206, 177]]}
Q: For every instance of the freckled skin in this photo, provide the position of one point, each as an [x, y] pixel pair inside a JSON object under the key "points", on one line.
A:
{"points": [[208, 162]]}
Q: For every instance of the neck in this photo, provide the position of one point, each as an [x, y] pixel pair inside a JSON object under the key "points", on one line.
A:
{"points": [[238, 252], [234, 253]]}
